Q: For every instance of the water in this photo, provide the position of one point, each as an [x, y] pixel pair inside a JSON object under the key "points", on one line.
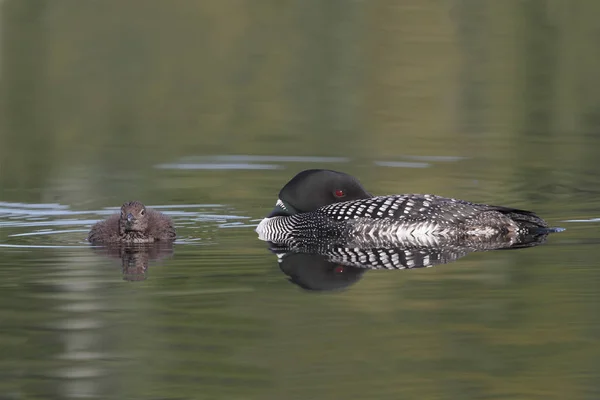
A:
{"points": [[205, 110]]}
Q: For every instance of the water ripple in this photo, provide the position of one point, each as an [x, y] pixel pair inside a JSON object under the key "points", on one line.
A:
{"points": [[194, 223], [582, 220], [402, 164], [215, 166]]}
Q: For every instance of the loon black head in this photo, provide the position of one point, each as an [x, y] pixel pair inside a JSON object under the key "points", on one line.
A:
{"points": [[314, 188]]}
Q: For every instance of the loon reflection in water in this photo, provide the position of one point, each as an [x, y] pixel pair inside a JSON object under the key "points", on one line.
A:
{"points": [[315, 272], [335, 266]]}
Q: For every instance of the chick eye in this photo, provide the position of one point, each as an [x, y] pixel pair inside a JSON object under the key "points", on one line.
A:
{"points": [[142, 212], [339, 193]]}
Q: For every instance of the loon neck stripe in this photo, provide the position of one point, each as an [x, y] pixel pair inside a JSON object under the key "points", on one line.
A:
{"points": [[281, 204]]}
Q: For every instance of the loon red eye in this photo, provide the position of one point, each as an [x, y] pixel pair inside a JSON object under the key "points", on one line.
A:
{"points": [[339, 269], [339, 193]]}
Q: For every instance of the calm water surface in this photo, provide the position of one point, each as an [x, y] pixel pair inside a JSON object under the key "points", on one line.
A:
{"points": [[217, 318], [205, 110]]}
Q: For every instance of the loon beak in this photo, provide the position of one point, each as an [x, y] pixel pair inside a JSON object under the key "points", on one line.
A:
{"points": [[279, 210]]}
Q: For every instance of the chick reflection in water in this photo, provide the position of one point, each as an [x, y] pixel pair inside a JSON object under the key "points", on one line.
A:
{"points": [[135, 258], [136, 236]]}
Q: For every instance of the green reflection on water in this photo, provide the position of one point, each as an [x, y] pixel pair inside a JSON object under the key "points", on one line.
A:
{"points": [[96, 94]]}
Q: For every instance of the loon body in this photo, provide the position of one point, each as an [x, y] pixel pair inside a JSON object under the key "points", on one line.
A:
{"points": [[319, 206]]}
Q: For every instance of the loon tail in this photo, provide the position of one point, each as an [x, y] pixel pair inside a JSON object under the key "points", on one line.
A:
{"points": [[528, 220], [533, 230]]}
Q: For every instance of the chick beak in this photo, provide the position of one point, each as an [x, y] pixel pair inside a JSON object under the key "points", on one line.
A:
{"points": [[130, 217]]}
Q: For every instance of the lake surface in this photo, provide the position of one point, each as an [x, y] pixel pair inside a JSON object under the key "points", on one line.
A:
{"points": [[206, 110]]}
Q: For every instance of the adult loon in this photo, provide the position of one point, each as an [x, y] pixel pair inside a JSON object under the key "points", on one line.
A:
{"points": [[320, 205]]}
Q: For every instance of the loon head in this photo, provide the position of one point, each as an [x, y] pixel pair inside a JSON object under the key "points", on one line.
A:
{"points": [[314, 188]]}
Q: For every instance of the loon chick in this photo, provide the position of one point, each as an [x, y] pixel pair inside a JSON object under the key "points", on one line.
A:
{"points": [[318, 205], [135, 224]]}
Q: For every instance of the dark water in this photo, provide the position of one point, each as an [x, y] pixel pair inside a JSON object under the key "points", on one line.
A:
{"points": [[206, 109]]}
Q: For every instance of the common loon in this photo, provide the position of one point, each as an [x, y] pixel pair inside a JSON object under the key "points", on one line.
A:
{"points": [[319, 205]]}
